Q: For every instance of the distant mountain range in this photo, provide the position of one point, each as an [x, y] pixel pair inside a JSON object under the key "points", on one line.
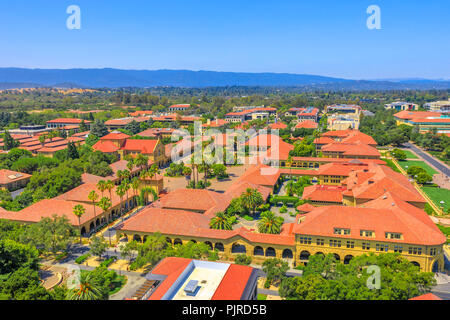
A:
{"points": [[115, 78]]}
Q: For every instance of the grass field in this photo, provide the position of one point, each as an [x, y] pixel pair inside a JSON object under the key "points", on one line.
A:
{"points": [[438, 195], [262, 296], [421, 164], [390, 164], [410, 155]]}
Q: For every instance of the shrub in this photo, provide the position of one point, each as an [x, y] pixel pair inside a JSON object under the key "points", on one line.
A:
{"points": [[108, 262], [283, 209], [82, 258], [243, 259]]}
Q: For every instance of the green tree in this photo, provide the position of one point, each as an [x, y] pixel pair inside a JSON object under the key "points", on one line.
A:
{"points": [[275, 270], [220, 222], [87, 289], [52, 234], [252, 199], [78, 211], [98, 246], [270, 223]]}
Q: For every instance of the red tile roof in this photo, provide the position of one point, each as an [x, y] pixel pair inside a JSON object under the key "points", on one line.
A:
{"points": [[233, 283], [278, 125], [323, 193], [8, 176], [428, 296], [308, 124], [261, 175], [115, 135], [386, 214], [374, 181], [105, 146], [68, 121], [142, 146], [351, 149], [50, 207], [182, 199], [306, 207]]}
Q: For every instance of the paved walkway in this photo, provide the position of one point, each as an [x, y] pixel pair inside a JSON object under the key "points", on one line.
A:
{"points": [[439, 165]]}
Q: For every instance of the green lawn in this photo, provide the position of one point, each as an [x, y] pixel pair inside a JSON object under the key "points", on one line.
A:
{"points": [[390, 164], [438, 195], [262, 296], [438, 155], [421, 164], [410, 155]]}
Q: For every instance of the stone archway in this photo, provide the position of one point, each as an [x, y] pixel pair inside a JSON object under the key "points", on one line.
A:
{"points": [[92, 227], [209, 244], [137, 238], [238, 248], [177, 241], [219, 247], [348, 258], [258, 251], [304, 255], [270, 252], [168, 240], [415, 263], [83, 231], [97, 222], [337, 257], [435, 266], [287, 254]]}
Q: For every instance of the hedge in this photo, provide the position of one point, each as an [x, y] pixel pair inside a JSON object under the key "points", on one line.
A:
{"points": [[82, 258]]}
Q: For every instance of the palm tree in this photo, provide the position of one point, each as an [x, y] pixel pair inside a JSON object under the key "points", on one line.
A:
{"points": [[120, 191], [86, 290], [109, 185], [101, 186], [93, 196], [130, 166], [105, 204], [270, 223], [135, 186], [126, 187], [141, 161], [220, 222], [79, 210], [251, 199]]}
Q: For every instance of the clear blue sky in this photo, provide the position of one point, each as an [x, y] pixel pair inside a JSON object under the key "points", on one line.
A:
{"points": [[324, 37]]}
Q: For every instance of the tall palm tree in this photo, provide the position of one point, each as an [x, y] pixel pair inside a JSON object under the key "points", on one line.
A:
{"points": [[130, 166], [105, 204], [101, 186], [126, 187], [120, 191], [251, 199], [86, 290], [220, 222], [270, 223], [109, 185], [79, 210], [93, 196], [135, 186]]}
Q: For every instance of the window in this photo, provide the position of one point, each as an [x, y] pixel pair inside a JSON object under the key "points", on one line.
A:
{"points": [[432, 251], [305, 240], [335, 243], [382, 247], [366, 246], [415, 250], [398, 249], [320, 242], [350, 244], [366, 233], [341, 231], [393, 235]]}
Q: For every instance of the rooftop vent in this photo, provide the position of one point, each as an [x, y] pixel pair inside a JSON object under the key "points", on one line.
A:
{"points": [[192, 288], [385, 197]]}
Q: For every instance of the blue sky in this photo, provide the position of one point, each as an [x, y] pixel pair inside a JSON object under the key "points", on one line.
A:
{"points": [[324, 37]]}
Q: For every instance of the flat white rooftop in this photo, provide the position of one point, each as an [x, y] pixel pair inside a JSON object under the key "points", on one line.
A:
{"points": [[209, 276]]}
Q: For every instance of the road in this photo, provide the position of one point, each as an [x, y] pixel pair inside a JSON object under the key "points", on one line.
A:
{"points": [[437, 164]]}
